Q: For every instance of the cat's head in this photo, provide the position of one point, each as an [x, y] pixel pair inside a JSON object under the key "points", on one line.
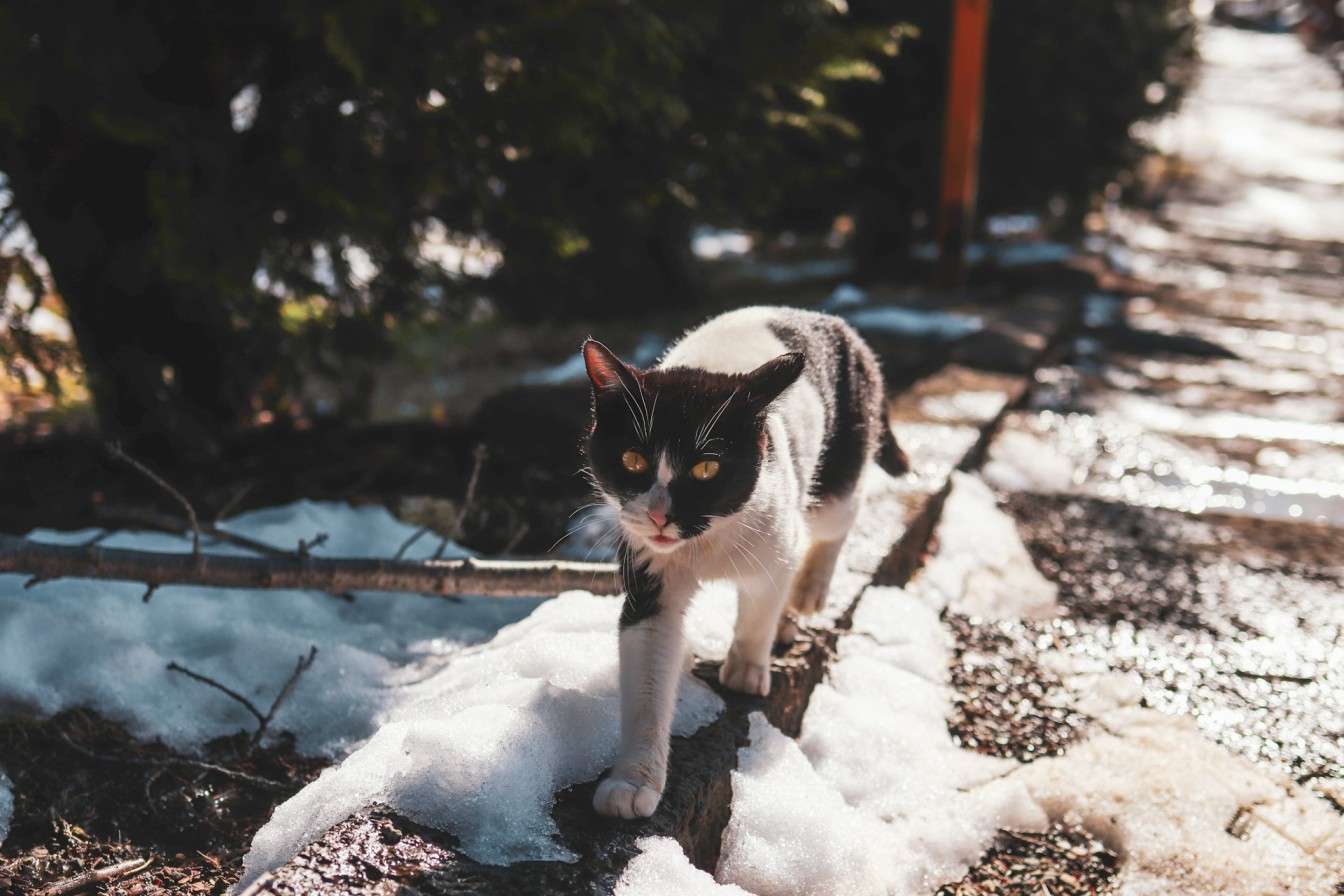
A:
{"points": [[677, 448]]}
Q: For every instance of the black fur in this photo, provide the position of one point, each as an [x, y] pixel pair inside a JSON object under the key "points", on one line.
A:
{"points": [[847, 375], [642, 590]]}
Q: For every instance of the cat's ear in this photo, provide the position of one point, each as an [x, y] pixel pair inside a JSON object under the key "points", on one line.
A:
{"points": [[767, 382], [607, 371]]}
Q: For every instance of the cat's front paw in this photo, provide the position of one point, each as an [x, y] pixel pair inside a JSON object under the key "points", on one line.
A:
{"points": [[618, 798], [749, 678]]}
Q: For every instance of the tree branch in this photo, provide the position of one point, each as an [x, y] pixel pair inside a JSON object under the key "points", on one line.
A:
{"points": [[496, 578]]}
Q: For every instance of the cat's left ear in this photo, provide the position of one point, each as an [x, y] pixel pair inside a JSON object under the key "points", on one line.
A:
{"points": [[768, 382], [607, 371]]}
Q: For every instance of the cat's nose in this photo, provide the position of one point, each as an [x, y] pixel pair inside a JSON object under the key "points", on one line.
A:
{"points": [[659, 518]]}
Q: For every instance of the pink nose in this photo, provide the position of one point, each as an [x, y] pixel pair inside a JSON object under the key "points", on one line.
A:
{"points": [[659, 518]]}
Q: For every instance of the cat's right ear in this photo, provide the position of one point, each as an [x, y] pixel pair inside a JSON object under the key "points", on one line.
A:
{"points": [[607, 371]]}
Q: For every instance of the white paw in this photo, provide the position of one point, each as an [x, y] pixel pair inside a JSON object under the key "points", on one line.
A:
{"points": [[787, 632], [740, 675], [808, 597], [619, 798]]}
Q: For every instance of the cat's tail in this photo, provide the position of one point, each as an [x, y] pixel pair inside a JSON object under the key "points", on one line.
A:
{"points": [[890, 457]]}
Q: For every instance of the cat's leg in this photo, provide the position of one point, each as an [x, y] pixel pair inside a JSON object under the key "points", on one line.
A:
{"points": [[829, 523], [652, 660], [760, 601]]}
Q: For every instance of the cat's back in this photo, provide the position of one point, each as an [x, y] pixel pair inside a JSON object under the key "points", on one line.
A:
{"points": [[741, 340]]}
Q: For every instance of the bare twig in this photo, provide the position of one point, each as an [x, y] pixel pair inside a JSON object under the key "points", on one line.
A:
{"points": [[263, 720], [207, 680], [305, 663], [517, 537], [406, 545], [306, 546], [478, 460], [497, 578], [143, 518], [90, 879], [114, 449], [234, 500], [478, 457]]}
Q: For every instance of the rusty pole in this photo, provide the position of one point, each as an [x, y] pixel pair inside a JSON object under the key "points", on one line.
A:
{"points": [[961, 139]]}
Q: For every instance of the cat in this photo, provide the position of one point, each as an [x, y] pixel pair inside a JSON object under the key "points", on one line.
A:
{"points": [[740, 456]]}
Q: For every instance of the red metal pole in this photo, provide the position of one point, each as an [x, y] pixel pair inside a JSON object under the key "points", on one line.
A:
{"points": [[961, 139]]}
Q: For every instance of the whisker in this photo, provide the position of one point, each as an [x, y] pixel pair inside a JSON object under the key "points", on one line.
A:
{"points": [[585, 507]]}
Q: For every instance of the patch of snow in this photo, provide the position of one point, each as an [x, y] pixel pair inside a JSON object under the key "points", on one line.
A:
{"points": [[713, 244], [59, 640], [662, 869], [1015, 254], [793, 272], [846, 295], [914, 322], [873, 797], [480, 745], [6, 805], [1022, 461], [981, 567], [1163, 798]]}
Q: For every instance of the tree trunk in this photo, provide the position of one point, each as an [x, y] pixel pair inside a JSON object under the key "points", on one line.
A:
{"points": [[162, 358]]}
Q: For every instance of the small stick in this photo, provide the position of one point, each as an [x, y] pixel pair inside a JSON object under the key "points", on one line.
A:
{"points": [[517, 537], [406, 545], [114, 448], [90, 879], [306, 546], [207, 680], [479, 455], [234, 500], [304, 664]]}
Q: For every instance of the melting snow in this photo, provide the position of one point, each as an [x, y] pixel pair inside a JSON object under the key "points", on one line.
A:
{"points": [[6, 805], [479, 746]]}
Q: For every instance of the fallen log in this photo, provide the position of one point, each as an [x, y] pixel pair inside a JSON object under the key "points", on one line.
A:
{"points": [[495, 578]]}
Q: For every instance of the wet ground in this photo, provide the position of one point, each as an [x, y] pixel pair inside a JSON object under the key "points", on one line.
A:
{"points": [[1181, 476]]}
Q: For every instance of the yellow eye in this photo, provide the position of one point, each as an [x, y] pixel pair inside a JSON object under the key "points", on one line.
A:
{"points": [[634, 462], [706, 469]]}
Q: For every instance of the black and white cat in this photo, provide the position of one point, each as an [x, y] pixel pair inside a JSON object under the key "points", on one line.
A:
{"points": [[739, 456]]}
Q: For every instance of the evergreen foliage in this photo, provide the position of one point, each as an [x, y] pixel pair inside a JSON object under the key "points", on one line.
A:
{"points": [[229, 193]]}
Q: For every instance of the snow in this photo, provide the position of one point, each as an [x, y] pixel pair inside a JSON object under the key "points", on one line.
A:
{"points": [[58, 640], [713, 244], [478, 747], [874, 797], [470, 716], [981, 568], [662, 869], [1161, 796], [6, 805], [913, 322]]}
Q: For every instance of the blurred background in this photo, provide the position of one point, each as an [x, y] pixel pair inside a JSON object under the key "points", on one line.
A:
{"points": [[328, 249]]}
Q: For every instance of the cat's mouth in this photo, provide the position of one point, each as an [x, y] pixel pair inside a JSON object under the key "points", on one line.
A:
{"points": [[664, 540]]}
